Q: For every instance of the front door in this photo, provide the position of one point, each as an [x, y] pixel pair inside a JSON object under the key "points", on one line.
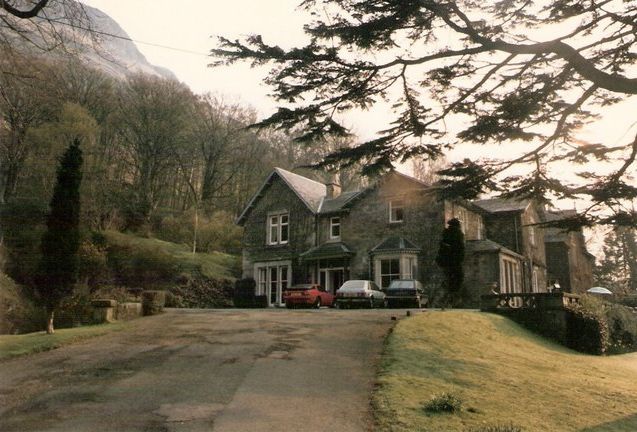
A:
{"points": [[336, 277]]}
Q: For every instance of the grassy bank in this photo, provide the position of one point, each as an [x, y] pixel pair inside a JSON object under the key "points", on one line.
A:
{"points": [[171, 256], [17, 345], [503, 374]]}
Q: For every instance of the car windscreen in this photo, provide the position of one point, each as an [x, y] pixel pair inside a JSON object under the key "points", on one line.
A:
{"points": [[402, 284], [354, 285]]}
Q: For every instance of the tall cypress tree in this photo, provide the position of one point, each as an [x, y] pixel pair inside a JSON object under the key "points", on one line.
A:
{"points": [[450, 258], [60, 243]]}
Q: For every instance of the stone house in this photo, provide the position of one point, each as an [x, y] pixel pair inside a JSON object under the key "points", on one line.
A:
{"points": [[298, 230], [568, 261], [514, 224]]}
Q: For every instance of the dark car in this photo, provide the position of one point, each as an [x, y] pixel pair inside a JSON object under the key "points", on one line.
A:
{"points": [[308, 295], [405, 293]]}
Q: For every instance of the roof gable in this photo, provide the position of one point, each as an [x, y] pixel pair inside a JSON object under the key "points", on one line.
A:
{"points": [[501, 205], [310, 192]]}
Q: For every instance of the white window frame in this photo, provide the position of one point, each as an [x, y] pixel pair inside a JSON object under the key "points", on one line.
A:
{"points": [[275, 225], [407, 265], [509, 275], [392, 206], [335, 222], [283, 272]]}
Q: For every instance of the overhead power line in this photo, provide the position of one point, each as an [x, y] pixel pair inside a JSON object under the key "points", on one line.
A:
{"points": [[103, 33]]}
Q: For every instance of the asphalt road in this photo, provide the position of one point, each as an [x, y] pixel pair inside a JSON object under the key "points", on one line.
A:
{"points": [[205, 370]]}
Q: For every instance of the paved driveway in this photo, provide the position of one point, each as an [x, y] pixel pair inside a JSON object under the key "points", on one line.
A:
{"points": [[203, 370]]}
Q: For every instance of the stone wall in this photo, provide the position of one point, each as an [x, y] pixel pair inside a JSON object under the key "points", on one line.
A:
{"points": [[481, 270]]}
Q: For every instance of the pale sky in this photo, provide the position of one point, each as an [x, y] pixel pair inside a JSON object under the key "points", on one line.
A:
{"points": [[193, 25]]}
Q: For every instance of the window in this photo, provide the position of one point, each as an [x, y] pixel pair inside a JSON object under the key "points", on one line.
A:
{"points": [[262, 280], [272, 279], [390, 267], [278, 228], [410, 268], [532, 235], [396, 211], [335, 228], [389, 270], [509, 276]]}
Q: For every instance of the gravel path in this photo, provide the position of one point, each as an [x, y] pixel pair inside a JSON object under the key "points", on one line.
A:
{"points": [[205, 370]]}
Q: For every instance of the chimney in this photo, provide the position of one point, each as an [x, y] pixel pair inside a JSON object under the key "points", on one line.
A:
{"points": [[333, 188]]}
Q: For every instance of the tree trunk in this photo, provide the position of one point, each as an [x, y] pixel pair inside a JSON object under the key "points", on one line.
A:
{"points": [[49, 322], [196, 229]]}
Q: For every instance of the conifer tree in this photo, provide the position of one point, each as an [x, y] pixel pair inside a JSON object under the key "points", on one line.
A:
{"points": [[60, 243], [618, 269], [450, 258]]}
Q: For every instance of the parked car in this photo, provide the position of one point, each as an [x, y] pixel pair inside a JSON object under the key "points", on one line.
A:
{"points": [[361, 293], [405, 292], [310, 295]]}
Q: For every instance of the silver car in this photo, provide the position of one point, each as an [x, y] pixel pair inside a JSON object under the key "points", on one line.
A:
{"points": [[364, 293]]}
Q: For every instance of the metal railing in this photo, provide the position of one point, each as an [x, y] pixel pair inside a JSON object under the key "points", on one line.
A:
{"points": [[527, 300]]}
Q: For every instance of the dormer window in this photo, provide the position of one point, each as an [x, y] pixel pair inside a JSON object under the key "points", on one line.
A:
{"points": [[335, 228], [278, 228], [396, 211]]}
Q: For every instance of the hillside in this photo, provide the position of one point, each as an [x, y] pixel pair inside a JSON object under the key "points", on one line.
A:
{"points": [[503, 374], [109, 49], [166, 258]]}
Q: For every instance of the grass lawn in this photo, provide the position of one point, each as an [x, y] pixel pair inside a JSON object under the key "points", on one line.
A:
{"points": [[16, 345], [213, 265], [503, 374]]}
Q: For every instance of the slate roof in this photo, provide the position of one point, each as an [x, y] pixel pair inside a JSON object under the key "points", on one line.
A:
{"points": [[395, 244], [501, 205], [327, 250], [309, 191], [333, 205], [488, 246]]}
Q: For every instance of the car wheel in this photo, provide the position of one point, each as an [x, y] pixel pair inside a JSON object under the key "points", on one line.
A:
{"points": [[385, 303], [317, 303], [371, 302], [288, 305]]}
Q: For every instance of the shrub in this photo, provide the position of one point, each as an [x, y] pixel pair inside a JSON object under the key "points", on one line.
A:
{"points": [[198, 291], [443, 403], [629, 300], [146, 268], [18, 312], [622, 326], [93, 268], [496, 428], [118, 293], [587, 328], [74, 311]]}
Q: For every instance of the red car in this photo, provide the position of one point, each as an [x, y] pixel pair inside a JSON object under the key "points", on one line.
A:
{"points": [[310, 295]]}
